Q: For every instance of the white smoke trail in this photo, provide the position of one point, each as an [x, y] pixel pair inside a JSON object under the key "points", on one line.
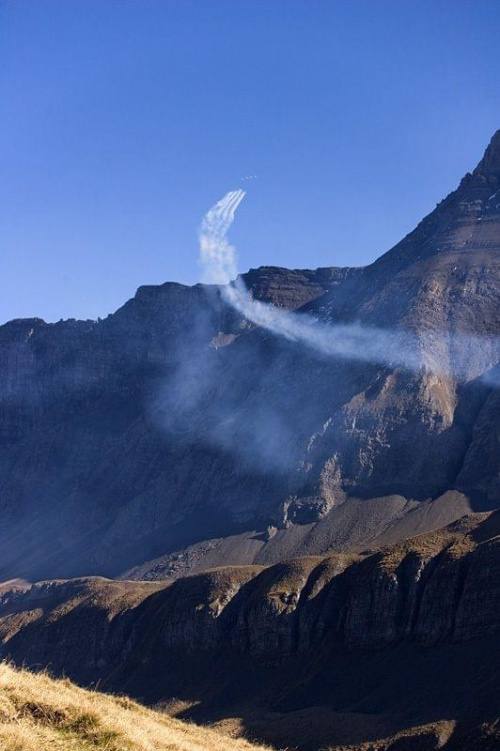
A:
{"points": [[399, 347], [217, 256], [218, 261], [353, 341]]}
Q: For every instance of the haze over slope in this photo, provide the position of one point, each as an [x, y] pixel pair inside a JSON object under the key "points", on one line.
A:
{"points": [[177, 426]]}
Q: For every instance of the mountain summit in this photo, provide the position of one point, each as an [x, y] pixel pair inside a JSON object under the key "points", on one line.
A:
{"points": [[490, 163]]}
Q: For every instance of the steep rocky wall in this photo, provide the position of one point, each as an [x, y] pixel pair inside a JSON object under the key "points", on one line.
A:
{"points": [[175, 421], [319, 651], [355, 647], [430, 590]]}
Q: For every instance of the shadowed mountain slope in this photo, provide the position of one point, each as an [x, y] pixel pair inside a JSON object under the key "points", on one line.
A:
{"points": [[175, 426], [400, 643]]}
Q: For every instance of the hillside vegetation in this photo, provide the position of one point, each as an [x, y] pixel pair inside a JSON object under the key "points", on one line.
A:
{"points": [[38, 713]]}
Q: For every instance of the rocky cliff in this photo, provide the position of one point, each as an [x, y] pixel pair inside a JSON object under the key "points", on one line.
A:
{"points": [[176, 432], [362, 647]]}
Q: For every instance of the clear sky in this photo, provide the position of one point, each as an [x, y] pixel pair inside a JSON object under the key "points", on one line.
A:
{"points": [[122, 121]]}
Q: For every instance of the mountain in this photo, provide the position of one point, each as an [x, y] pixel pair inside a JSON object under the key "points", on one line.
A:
{"points": [[175, 434], [38, 713], [394, 650]]}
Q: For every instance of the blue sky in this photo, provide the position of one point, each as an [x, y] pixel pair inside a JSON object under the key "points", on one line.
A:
{"points": [[122, 121]]}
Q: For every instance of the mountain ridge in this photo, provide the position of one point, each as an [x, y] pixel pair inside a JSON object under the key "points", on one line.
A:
{"points": [[357, 647]]}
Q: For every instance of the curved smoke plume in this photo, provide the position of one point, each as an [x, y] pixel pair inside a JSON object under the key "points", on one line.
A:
{"points": [[400, 347]]}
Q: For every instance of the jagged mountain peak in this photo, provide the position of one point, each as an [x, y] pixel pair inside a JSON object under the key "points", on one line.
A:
{"points": [[490, 163], [460, 230]]}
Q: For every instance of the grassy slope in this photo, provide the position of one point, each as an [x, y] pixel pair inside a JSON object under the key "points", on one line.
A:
{"points": [[38, 713]]}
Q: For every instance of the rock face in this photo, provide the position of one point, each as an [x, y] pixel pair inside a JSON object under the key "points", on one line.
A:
{"points": [[175, 426], [403, 637]]}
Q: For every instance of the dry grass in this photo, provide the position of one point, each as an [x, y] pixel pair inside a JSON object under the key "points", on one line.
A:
{"points": [[38, 713], [457, 539]]}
